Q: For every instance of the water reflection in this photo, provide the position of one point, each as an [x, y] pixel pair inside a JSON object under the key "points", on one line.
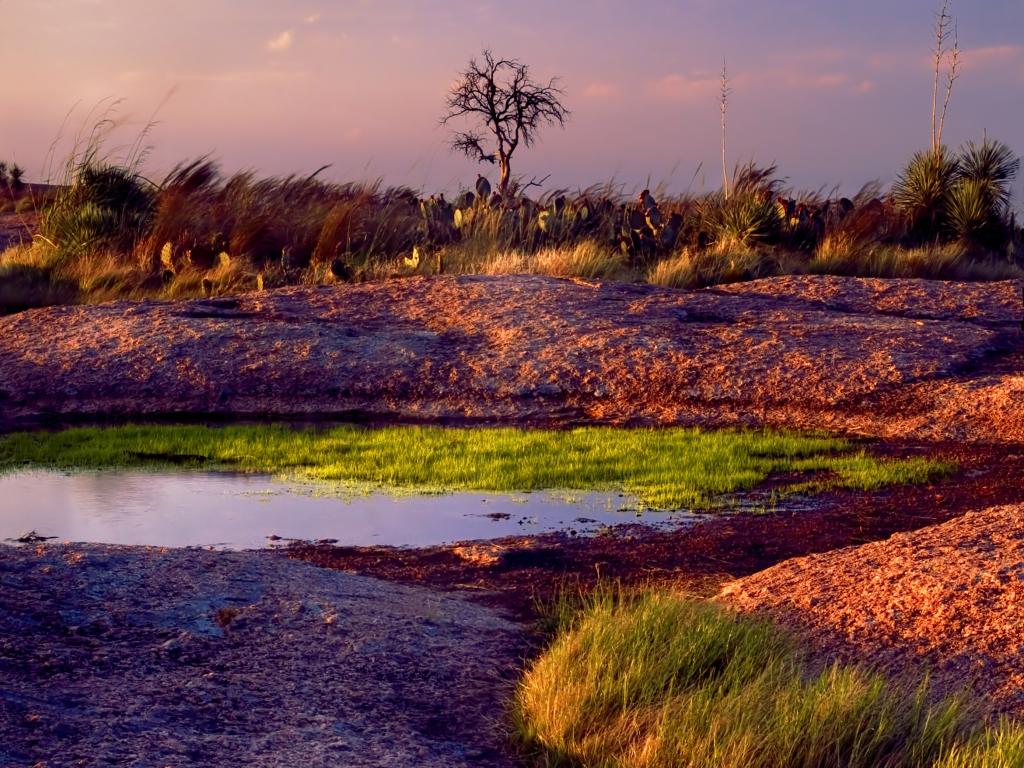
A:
{"points": [[241, 511]]}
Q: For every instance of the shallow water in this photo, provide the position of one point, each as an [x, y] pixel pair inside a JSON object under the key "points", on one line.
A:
{"points": [[241, 511]]}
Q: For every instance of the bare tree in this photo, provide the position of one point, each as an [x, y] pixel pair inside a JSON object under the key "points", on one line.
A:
{"points": [[504, 109]]}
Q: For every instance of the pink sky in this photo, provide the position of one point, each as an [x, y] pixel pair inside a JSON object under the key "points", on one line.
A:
{"points": [[834, 93]]}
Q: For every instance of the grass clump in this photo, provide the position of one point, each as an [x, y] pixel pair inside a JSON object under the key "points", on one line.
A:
{"points": [[663, 468], [652, 679], [728, 261], [998, 747], [588, 259]]}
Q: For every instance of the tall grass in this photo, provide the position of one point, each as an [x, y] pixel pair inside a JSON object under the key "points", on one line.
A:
{"points": [[654, 680], [1001, 746], [728, 261], [113, 232], [586, 259], [661, 468]]}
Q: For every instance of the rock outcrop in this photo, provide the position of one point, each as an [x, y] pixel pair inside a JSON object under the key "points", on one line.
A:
{"points": [[948, 599], [892, 358]]}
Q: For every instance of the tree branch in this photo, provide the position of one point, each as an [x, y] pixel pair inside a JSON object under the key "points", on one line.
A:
{"points": [[471, 145]]}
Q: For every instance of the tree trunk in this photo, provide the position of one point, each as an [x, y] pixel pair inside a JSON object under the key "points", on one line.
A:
{"points": [[506, 174]]}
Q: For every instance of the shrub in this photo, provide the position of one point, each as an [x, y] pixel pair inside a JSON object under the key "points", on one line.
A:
{"points": [[26, 287], [948, 216], [107, 207], [17, 178]]}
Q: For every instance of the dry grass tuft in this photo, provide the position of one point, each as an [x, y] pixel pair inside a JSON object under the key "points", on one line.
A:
{"points": [[588, 259]]}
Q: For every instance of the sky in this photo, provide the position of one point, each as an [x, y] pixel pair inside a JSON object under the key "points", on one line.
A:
{"points": [[834, 93]]}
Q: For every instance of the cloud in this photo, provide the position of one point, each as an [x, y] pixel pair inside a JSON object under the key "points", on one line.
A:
{"points": [[705, 85], [824, 81], [600, 90], [898, 61], [815, 56], [679, 87], [985, 57], [282, 42], [312, 18], [996, 55], [225, 77]]}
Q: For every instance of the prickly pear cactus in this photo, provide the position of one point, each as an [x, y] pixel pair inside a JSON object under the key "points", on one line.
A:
{"points": [[167, 256], [645, 232]]}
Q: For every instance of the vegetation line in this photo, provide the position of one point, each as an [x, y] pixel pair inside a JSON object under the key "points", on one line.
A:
{"points": [[106, 232], [663, 468]]}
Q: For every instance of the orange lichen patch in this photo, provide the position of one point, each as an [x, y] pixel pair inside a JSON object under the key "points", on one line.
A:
{"points": [[948, 598], [510, 551]]}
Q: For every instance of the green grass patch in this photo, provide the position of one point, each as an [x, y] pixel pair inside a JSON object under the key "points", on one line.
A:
{"points": [[663, 468], [653, 680]]}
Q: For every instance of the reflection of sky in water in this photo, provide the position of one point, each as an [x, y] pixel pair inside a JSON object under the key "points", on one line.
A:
{"points": [[181, 509]]}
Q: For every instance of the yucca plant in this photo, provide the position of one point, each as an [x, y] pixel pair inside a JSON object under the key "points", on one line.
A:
{"points": [[17, 177], [921, 193], [979, 202], [745, 217], [964, 197], [994, 165], [973, 218], [107, 207]]}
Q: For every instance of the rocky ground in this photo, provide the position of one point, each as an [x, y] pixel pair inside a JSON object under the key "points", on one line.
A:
{"points": [[947, 598], [148, 657], [911, 359], [153, 657]]}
